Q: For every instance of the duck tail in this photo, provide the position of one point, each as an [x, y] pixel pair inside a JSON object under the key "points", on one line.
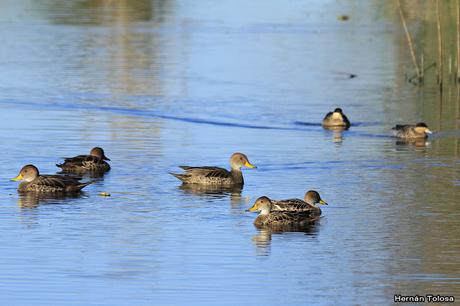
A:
{"points": [[59, 165], [182, 177], [83, 185]]}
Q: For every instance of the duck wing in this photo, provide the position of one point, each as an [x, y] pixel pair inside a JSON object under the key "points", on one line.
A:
{"points": [[206, 171], [80, 160], [328, 115], [292, 205], [201, 173], [400, 127], [50, 181], [345, 119], [60, 183], [289, 217]]}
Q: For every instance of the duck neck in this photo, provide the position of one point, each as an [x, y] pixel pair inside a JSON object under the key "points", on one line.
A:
{"points": [[264, 212], [237, 176], [22, 186]]}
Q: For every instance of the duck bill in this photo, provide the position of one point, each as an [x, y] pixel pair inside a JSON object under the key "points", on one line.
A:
{"points": [[105, 158], [322, 202], [253, 208], [249, 165], [17, 178], [428, 131]]}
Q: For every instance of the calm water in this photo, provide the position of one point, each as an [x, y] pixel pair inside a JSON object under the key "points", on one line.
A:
{"points": [[164, 83]]}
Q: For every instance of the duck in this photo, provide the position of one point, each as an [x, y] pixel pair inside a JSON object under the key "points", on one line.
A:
{"points": [[94, 162], [32, 181], [269, 217], [412, 131], [309, 204], [336, 119], [215, 175]]}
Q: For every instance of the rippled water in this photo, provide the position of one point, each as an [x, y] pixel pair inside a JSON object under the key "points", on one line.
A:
{"points": [[163, 83]]}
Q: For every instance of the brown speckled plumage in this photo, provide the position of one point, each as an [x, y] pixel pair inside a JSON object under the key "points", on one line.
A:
{"points": [[288, 219], [95, 162], [411, 131], [279, 219], [214, 175], [308, 204], [32, 181]]}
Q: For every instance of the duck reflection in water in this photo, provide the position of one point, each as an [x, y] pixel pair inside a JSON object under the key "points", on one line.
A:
{"points": [[215, 192], [263, 239], [34, 199], [418, 143], [337, 136], [337, 133]]}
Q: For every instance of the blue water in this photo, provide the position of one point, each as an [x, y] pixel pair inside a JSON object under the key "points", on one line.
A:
{"points": [[163, 83]]}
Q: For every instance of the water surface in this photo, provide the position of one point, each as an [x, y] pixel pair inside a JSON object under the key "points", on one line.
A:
{"points": [[159, 84]]}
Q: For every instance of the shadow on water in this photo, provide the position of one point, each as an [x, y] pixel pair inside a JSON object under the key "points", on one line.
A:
{"points": [[156, 114], [352, 125], [286, 127], [151, 114]]}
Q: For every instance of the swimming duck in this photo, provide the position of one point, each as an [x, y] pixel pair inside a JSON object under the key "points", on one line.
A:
{"points": [[216, 175], [94, 162], [308, 204], [280, 218], [34, 182], [336, 119], [412, 132]]}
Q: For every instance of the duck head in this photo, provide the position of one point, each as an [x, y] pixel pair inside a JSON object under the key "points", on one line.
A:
{"points": [[337, 114], [98, 152], [422, 129], [239, 160], [312, 197], [28, 173], [262, 204]]}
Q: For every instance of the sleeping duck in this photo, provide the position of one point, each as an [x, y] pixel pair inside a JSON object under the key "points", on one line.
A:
{"points": [[336, 119]]}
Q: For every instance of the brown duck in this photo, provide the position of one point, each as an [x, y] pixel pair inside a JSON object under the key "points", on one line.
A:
{"points": [[215, 175], [412, 131], [94, 162], [32, 181], [269, 217], [309, 204], [336, 119]]}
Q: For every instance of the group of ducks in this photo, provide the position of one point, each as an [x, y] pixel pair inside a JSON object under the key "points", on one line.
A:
{"points": [[32, 181], [279, 214]]}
